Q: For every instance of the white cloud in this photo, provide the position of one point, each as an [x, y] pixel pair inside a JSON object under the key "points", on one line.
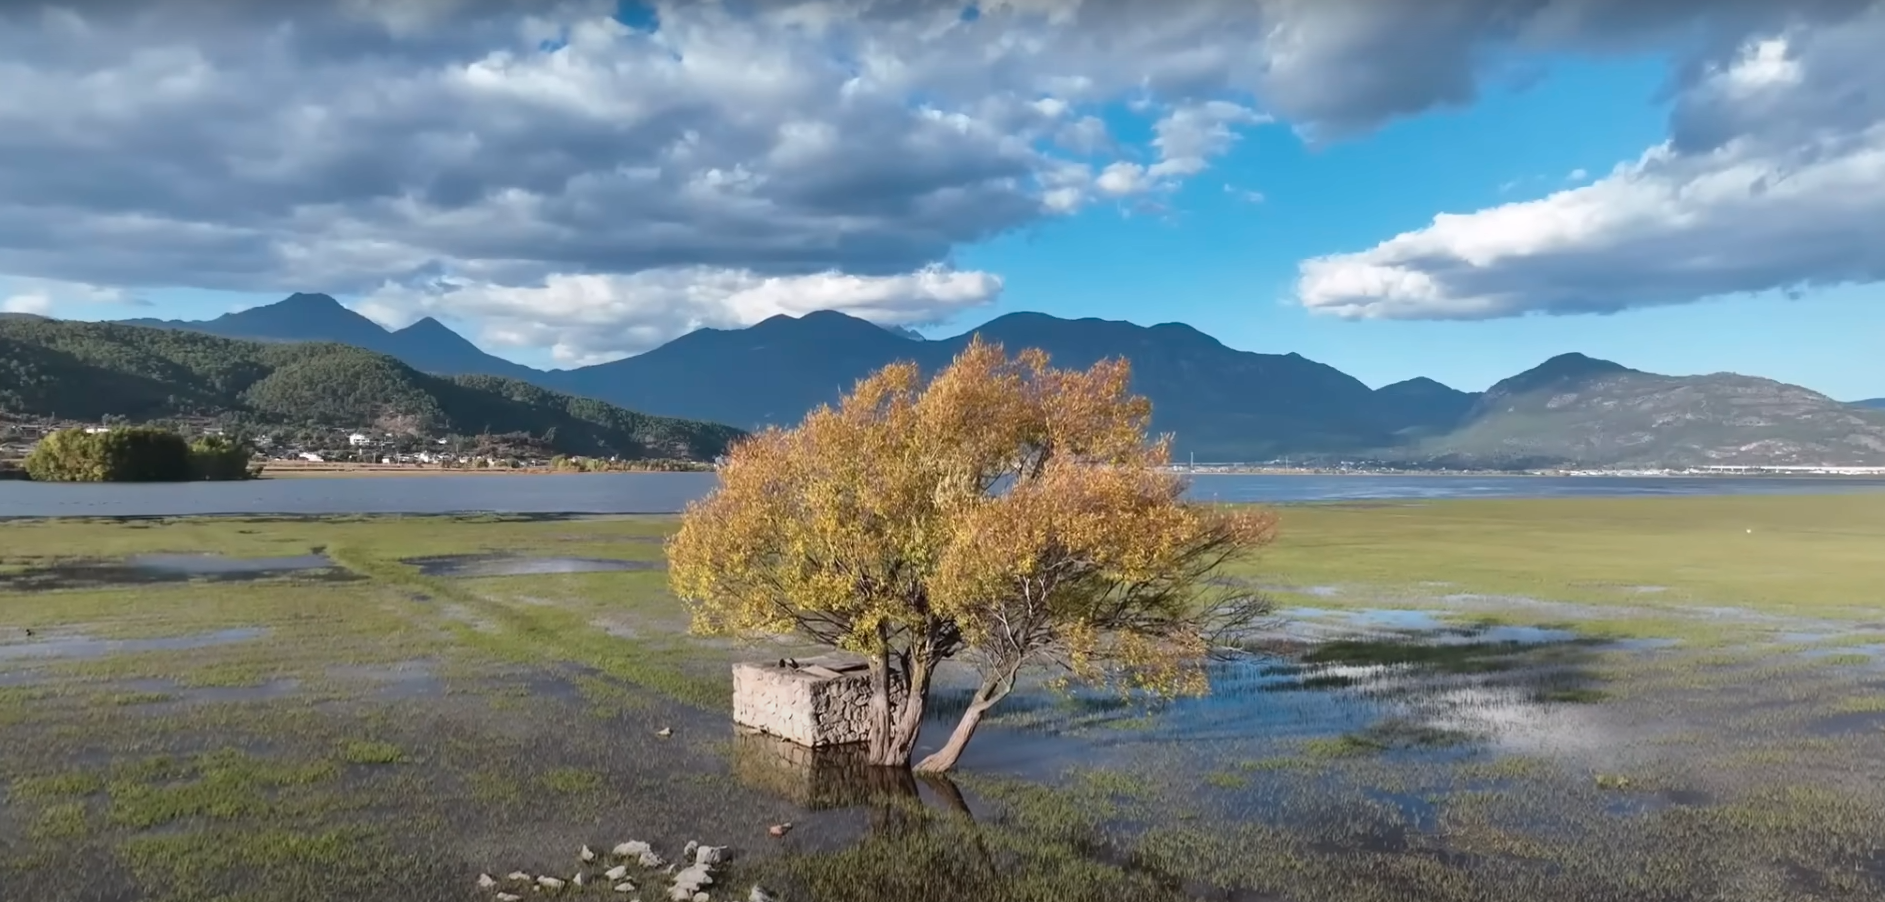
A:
{"points": [[1773, 178], [587, 319], [46, 296], [345, 146]]}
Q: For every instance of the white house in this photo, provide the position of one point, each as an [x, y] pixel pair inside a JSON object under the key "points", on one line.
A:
{"points": [[309, 455], [357, 440]]}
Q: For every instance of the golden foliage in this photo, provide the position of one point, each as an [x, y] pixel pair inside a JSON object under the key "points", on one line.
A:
{"points": [[1006, 506]]}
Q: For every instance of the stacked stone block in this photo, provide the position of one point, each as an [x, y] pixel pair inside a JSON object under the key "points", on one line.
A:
{"points": [[821, 702]]}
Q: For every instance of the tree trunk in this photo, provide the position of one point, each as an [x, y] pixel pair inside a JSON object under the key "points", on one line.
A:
{"points": [[894, 727], [992, 690], [945, 758]]}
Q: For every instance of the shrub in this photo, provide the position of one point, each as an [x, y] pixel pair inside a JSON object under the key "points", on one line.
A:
{"points": [[215, 457], [134, 454]]}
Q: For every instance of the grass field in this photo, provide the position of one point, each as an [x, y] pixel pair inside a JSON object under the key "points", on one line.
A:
{"points": [[1669, 699]]}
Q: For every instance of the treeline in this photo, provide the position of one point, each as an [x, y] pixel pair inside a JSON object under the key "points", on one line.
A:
{"points": [[138, 454]]}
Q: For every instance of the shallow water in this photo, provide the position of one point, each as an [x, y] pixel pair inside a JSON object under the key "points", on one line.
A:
{"points": [[665, 493], [475, 565], [220, 565], [82, 646], [168, 567]]}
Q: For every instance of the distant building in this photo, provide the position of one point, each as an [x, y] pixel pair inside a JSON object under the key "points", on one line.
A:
{"points": [[357, 440], [309, 455]]}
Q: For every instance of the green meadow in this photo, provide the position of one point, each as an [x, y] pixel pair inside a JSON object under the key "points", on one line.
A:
{"points": [[1618, 699]]}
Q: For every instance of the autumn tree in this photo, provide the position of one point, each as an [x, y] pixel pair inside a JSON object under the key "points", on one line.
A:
{"points": [[1007, 512]]}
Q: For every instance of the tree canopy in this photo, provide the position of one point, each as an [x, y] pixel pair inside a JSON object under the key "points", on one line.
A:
{"points": [[1006, 508]]}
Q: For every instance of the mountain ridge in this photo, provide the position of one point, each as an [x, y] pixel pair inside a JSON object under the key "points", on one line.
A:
{"points": [[88, 371], [1220, 403]]}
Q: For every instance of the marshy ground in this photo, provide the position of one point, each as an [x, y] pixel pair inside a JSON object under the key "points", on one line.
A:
{"points": [[1644, 699]]}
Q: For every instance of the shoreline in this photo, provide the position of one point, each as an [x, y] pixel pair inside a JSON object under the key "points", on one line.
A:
{"points": [[274, 470]]}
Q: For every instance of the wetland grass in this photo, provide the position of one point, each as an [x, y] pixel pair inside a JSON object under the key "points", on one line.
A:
{"points": [[394, 733]]}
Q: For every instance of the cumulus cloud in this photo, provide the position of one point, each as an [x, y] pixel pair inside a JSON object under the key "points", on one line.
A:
{"points": [[47, 296], [1772, 178], [587, 319], [516, 148]]}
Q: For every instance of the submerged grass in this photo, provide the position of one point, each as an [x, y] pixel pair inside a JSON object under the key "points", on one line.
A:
{"points": [[302, 762]]}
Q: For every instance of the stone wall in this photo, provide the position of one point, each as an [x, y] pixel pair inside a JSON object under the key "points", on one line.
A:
{"points": [[824, 701]]}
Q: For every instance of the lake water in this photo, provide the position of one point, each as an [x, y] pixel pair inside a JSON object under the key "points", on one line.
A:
{"points": [[654, 493]]}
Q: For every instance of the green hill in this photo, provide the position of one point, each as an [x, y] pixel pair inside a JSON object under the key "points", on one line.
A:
{"points": [[1578, 410], [87, 371]]}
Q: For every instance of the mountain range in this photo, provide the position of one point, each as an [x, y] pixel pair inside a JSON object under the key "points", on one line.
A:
{"points": [[89, 371], [1221, 404]]}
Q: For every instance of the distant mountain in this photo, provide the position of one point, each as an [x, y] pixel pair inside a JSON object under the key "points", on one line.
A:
{"points": [[1422, 405], [427, 345], [1221, 403], [1575, 409], [1871, 403], [88, 370]]}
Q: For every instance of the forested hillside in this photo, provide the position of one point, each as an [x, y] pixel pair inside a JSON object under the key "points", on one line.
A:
{"points": [[87, 371]]}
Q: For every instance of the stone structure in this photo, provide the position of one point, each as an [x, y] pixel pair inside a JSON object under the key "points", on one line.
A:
{"points": [[820, 702]]}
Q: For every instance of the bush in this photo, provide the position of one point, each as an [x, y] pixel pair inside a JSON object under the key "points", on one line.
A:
{"points": [[215, 457], [135, 454]]}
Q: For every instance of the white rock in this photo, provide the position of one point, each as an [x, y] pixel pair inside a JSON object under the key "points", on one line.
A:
{"points": [[617, 872], [550, 882], [708, 856], [632, 849], [518, 876], [486, 881], [509, 897], [681, 894], [702, 897], [651, 860], [625, 887], [687, 851], [577, 879], [760, 895], [587, 854]]}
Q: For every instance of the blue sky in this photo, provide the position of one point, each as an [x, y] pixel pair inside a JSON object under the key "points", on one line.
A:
{"points": [[564, 191]]}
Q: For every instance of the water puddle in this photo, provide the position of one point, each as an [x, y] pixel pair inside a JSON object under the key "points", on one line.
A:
{"points": [[79, 645], [399, 681], [168, 692], [478, 565], [144, 569]]}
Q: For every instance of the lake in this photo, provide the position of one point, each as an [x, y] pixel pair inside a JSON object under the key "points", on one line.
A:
{"points": [[652, 493]]}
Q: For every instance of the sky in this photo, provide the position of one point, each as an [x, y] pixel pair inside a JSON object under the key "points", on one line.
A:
{"points": [[1455, 189]]}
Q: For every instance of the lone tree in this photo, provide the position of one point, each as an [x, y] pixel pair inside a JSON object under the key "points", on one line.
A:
{"points": [[1008, 512]]}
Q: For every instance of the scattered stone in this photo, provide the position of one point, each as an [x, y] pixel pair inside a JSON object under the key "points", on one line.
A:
{"points": [[577, 880], [486, 881], [632, 849], [664, 731], [625, 887], [760, 895], [779, 829], [687, 851], [587, 854], [702, 897], [617, 872], [550, 883], [509, 897], [708, 856], [518, 877]]}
